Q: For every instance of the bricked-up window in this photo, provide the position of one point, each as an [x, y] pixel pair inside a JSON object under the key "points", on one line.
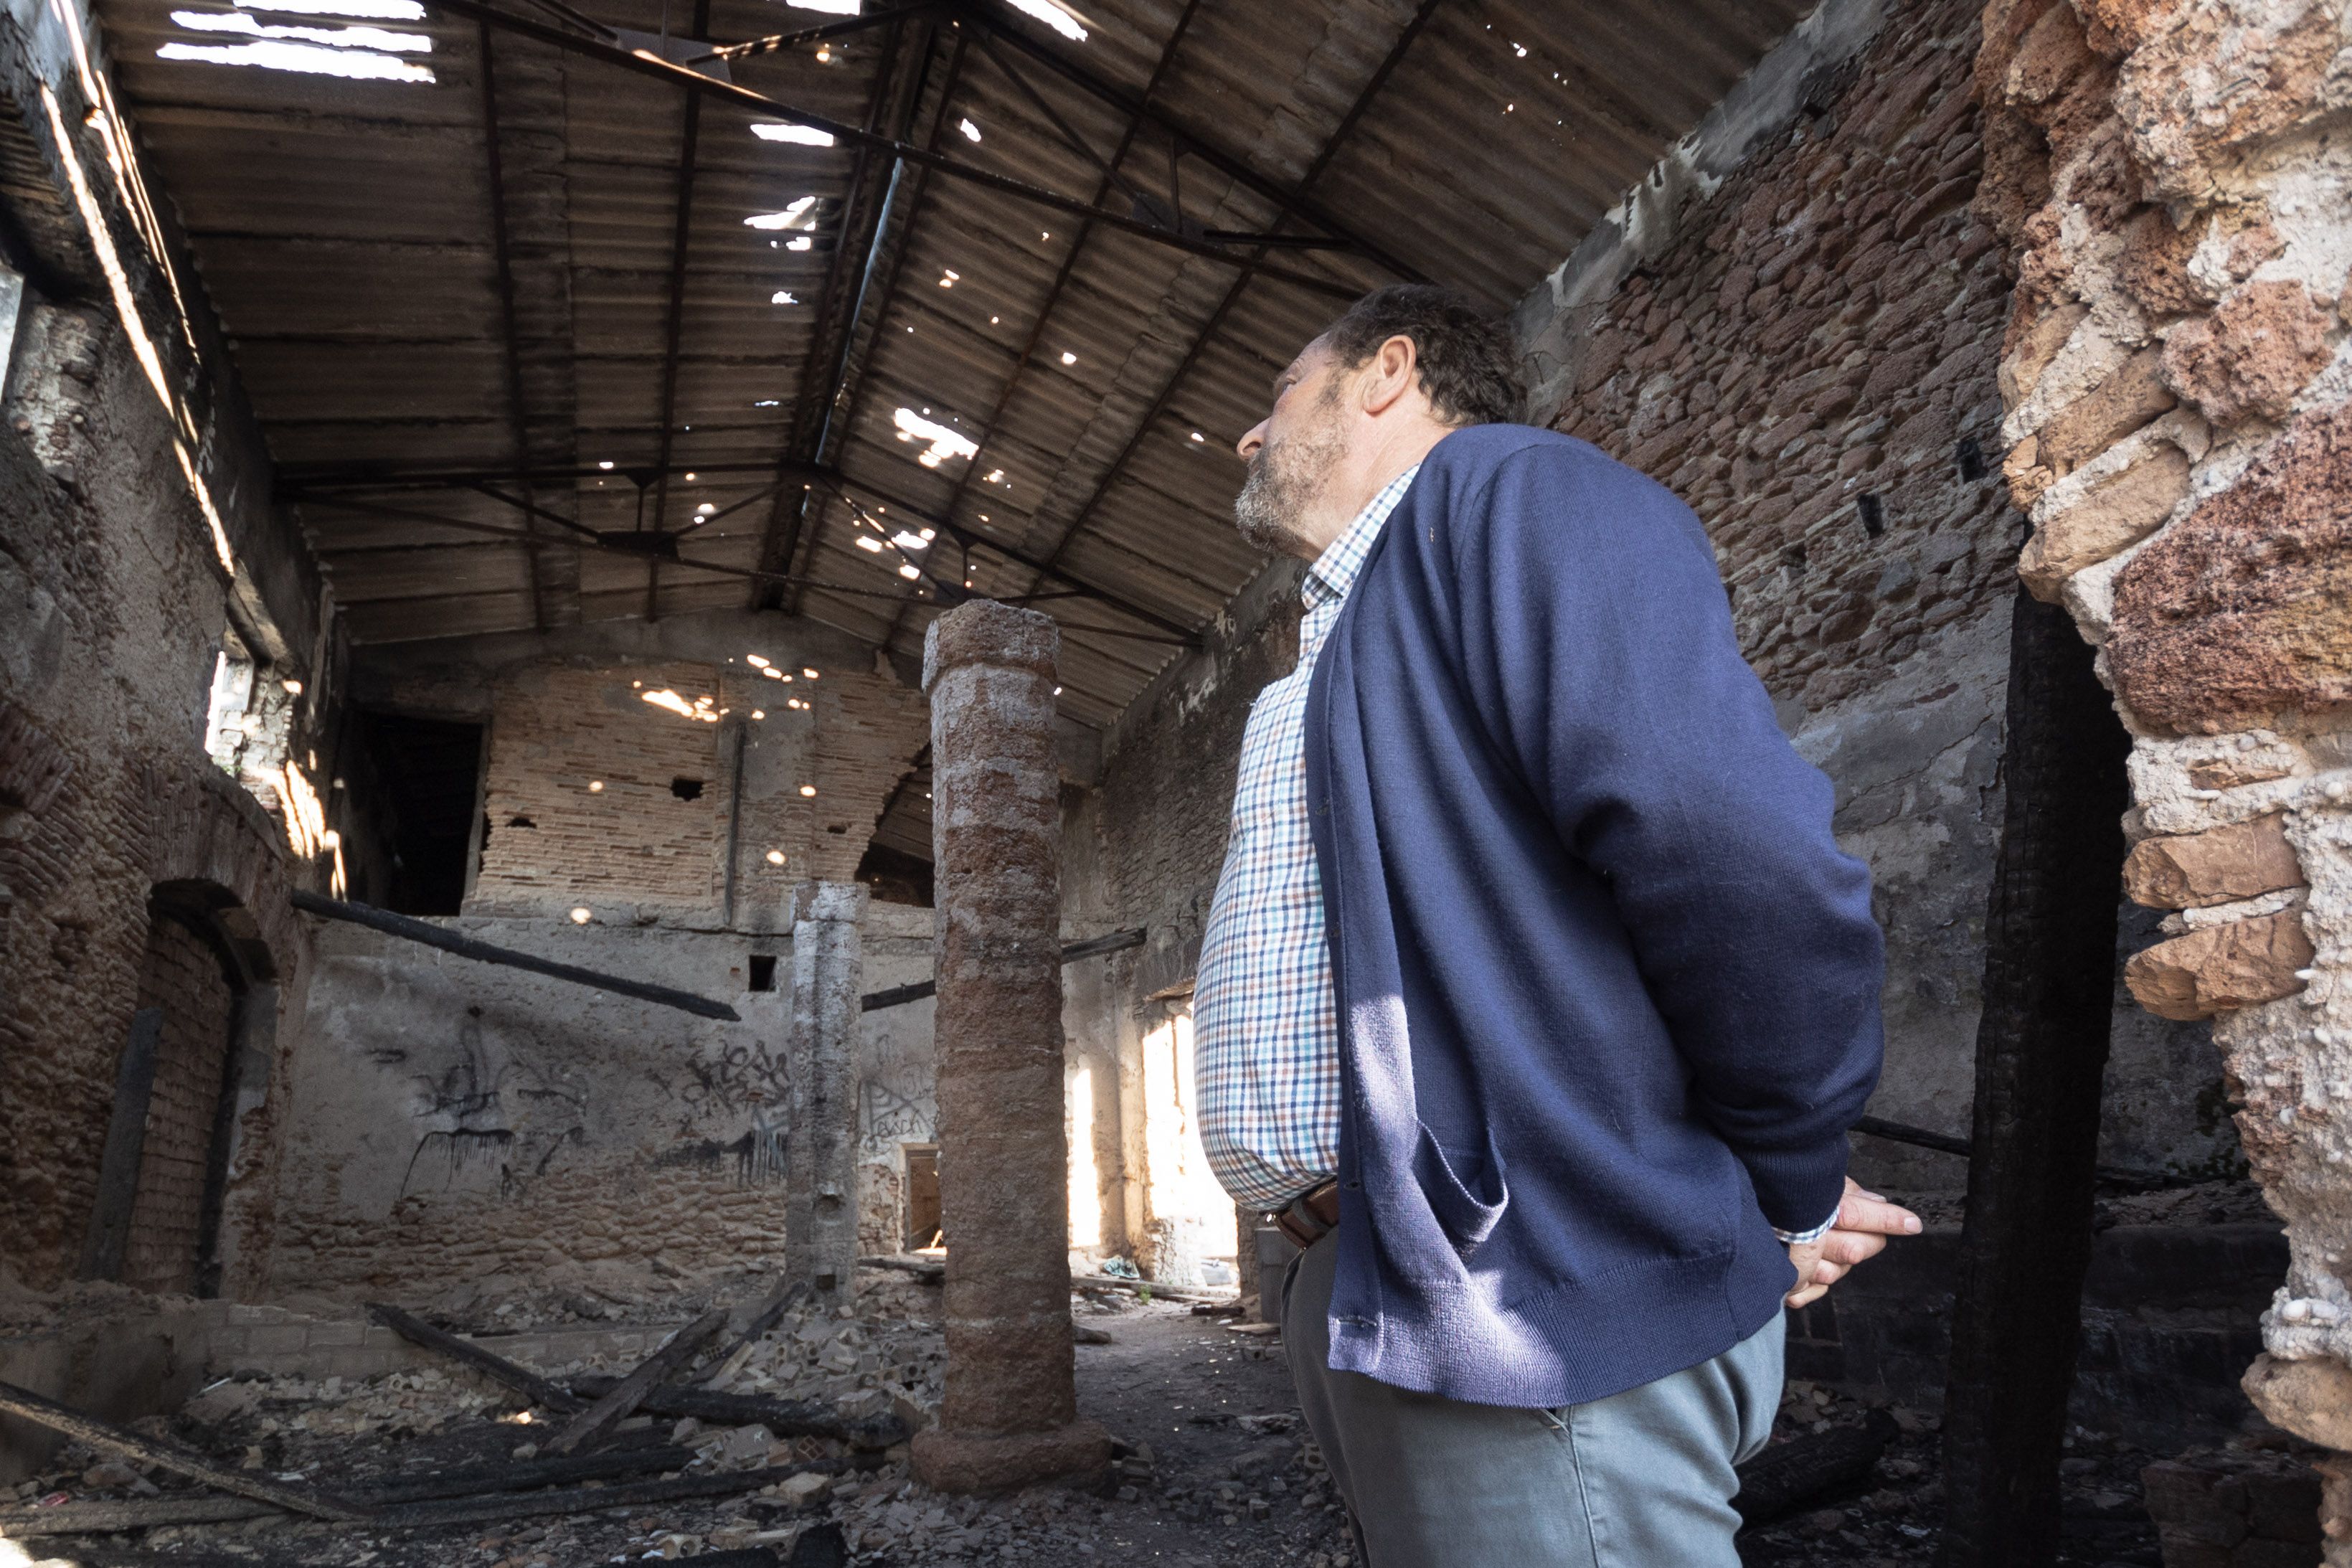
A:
{"points": [[764, 972], [184, 978]]}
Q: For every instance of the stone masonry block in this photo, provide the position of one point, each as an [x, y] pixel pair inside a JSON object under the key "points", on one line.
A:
{"points": [[2311, 1398], [2221, 967], [2129, 397], [2243, 608], [2108, 520], [2191, 870]]}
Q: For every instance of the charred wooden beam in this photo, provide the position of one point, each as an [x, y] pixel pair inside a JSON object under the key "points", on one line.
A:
{"points": [[1787, 1475], [108, 1439], [625, 1396], [203, 1507], [899, 995], [2041, 1051], [431, 935], [466, 1353], [126, 1140], [784, 1417]]}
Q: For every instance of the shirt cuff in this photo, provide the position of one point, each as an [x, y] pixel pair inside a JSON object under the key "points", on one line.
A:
{"points": [[1799, 1238]]}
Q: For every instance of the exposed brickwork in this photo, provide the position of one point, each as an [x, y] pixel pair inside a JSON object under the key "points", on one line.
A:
{"points": [[556, 730], [183, 976], [104, 567], [1802, 365]]}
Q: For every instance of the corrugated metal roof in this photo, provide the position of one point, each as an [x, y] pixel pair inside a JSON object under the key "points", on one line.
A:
{"points": [[347, 233]]}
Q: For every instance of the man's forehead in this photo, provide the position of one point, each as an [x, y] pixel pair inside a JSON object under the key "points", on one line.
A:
{"points": [[1303, 364]]}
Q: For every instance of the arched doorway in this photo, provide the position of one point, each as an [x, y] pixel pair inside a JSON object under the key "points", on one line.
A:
{"points": [[205, 984]]}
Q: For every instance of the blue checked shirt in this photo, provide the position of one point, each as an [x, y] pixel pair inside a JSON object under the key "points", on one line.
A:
{"points": [[1265, 1029], [1265, 1026]]}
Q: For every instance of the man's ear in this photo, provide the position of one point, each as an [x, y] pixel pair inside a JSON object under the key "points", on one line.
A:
{"points": [[1393, 371]]}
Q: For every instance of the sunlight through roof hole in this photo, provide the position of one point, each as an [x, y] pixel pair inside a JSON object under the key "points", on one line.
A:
{"points": [[798, 135], [1061, 18]]}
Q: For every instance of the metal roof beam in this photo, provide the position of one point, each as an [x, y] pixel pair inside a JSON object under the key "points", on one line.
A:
{"points": [[1291, 200], [923, 157], [1331, 145]]}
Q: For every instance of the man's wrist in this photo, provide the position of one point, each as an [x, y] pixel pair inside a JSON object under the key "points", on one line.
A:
{"points": [[1799, 1237]]}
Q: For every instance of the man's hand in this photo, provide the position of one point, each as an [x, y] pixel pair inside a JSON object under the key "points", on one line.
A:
{"points": [[1865, 1221]]}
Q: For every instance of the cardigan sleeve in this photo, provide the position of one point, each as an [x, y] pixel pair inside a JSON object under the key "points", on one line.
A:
{"points": [[1599, 658]]}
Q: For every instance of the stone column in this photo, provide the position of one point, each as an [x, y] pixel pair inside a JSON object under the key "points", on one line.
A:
{"points": [[821, 1133], [1010, 1417]]}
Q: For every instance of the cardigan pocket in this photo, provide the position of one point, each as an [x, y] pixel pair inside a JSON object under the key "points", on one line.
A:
{"points": [[1464, 1188]]}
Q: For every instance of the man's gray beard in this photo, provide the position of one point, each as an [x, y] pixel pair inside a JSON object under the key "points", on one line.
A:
{"points": [[1282, 483]]}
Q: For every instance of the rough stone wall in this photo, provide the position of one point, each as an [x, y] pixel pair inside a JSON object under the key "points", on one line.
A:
{"points": [[183, 976], [2177, 179], [1805, 351]]}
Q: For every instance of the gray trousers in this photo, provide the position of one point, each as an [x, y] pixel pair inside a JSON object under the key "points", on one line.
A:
{"points": [[1641, 1479]]}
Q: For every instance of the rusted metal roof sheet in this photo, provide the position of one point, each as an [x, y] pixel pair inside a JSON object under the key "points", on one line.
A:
{"points": [[347, 233]]}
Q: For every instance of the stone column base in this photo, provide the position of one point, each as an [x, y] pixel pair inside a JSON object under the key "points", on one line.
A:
{"points": [[1001, 1461]]}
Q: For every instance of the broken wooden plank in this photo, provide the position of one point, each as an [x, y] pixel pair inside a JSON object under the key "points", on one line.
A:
{"points": [[126, 1140], [465, 1352], [425, 1513], [1788, 1474], [771, 1311], [626, 1394], [784, 1417], [432, 935], [203, 1508], [899, 995], [589, 1499], [108, 1439]]}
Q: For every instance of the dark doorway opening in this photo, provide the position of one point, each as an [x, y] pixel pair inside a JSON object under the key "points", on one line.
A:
{"points": [[429, 770], [922, 1193], [896, 876]]}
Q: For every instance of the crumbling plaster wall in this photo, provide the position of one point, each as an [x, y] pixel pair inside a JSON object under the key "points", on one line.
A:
{"points": [[452, 1121], [114, 597], [1794, 325], [2177, 179]]}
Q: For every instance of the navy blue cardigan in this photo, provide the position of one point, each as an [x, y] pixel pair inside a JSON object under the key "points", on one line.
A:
{"points": [[1608, 989]]}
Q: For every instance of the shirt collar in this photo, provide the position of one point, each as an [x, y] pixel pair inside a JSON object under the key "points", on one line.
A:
{"points": [[1334, 572]]}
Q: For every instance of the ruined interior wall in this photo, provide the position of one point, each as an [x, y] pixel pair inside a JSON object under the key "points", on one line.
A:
{"points": [[1804, 350], [2177, 179], [107, 789], [452, 1121], [567, 710]]}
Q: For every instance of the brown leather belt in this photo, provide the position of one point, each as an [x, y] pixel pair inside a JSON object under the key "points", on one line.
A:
{"points": [[1309, 1219]]}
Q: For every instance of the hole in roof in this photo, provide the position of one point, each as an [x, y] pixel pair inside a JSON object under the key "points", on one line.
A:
{"points": [[337, 37], [868, 541], [605, 464], [971, 131], [944, 441], [831, 8], [358, 10], [909, 571], [1061, 18], [1069, 358], [1198, 436], [800, 243], [799, 135], [782, 296], [769, 403], [795, 215], [906, 541], [312, 59]]}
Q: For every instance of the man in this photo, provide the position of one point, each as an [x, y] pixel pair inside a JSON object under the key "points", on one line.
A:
{"points": [[1537, 999]]}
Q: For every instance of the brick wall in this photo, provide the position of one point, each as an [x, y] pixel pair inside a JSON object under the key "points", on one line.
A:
{"points": [[635, 847], [183, 976]]}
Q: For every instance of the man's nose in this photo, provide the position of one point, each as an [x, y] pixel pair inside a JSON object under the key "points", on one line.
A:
{"points": [[1252, 439]]}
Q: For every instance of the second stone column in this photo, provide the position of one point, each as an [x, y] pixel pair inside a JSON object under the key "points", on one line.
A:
{"points": [[1010, 1417], [821, 1133]]}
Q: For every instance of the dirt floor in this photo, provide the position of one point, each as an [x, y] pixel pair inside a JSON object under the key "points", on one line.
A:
{"points": [[1216, 1471]]}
